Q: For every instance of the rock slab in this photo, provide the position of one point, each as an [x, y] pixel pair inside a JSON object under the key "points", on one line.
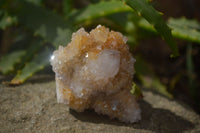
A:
{"points": [[33, 108]]}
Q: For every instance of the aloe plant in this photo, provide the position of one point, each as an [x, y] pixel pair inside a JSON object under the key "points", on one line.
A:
{"points": [[49, 29]]}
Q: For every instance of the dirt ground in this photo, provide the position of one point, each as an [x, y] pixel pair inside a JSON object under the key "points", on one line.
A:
{"points": [[32, 108]]}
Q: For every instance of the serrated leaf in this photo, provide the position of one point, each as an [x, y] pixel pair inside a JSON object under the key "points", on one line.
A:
{"points": [[193, 24], [98, 10], [146, 25], [38, 63], [51, 27], [8, 62], [182, 28], [154, 18], [185, 29], [43, 22]]}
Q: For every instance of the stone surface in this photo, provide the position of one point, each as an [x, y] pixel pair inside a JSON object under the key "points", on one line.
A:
{"points": [[33, 108]]}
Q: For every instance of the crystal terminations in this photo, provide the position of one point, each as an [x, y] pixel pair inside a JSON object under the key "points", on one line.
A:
{"points": [[95, 71]]}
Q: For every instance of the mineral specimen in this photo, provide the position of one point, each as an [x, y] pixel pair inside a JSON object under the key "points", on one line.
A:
{"points": [[95, 71]]}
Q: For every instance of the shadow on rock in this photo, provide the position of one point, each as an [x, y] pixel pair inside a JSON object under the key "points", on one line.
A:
{"points": [[161, 120], [4, 79], [153, 119], [42, 78], [93, 117]]}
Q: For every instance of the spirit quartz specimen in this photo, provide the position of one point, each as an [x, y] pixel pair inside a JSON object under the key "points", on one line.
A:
{"points": [[95, 71]]}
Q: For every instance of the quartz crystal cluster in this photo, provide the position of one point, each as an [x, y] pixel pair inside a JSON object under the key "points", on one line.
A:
{"points": [[95, 71]]}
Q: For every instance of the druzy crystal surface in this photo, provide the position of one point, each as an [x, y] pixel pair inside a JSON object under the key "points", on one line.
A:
{"points": [[95, 71]]}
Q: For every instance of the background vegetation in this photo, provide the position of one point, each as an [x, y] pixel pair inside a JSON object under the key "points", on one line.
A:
{"points": [[32, 29]]}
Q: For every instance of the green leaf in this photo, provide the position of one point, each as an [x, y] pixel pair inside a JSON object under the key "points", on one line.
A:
{"points": [[148, 78], [43, 22], [146, 25], [154, 18], [95, 1], [185, 29], [22, 66], [182, 28], [62, 38], [183, 22], [23, 48], [67, 7], [36, 2], [136, 91], [38, 63], [8, 62], [6, 20], [51, 27], [35, 46], [98, 10], [154, 83], [192, 80]]}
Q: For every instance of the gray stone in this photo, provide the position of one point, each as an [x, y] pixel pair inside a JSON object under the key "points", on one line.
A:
{"points": [[32, 107]]}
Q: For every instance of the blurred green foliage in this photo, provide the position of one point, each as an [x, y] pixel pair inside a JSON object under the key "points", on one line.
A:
{"points": [[38, 29]]}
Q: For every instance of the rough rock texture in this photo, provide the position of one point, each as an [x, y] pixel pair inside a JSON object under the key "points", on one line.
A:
{"points": [[33, 108], [95, 71]]}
